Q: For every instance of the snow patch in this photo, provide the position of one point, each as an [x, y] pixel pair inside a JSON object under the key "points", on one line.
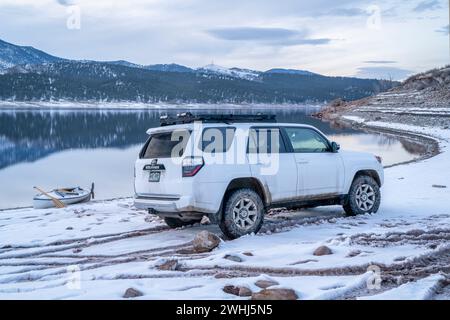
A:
{"points": [[422, 289]]}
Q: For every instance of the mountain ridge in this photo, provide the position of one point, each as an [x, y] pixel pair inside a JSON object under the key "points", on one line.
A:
{"points": [[38, 76], [12, 55]]}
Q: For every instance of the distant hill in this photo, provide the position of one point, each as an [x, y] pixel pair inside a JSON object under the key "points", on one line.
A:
{"points": [[292, 71], [28, 74], [172, 67], [12, 55]]}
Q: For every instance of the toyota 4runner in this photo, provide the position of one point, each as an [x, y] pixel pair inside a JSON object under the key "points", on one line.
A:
{"points": [[234, 168]]}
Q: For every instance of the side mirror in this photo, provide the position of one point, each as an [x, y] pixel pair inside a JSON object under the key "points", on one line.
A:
{"points": [[335, 147]]}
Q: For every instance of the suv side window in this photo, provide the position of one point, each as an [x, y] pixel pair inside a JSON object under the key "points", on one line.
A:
{"points": [[305, 140], [265, 140], [217, 140]]}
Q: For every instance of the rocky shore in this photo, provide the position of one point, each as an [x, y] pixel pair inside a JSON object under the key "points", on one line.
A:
{"points": [[421, 100]]}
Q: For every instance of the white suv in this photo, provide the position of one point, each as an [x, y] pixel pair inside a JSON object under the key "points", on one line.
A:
{"points": [[234, 168]]}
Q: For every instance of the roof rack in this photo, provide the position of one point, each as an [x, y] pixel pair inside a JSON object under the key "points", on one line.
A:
{"points": [[187, 117]]}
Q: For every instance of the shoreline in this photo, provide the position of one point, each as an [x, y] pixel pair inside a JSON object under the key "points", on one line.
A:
{"points": [[431, 144]]}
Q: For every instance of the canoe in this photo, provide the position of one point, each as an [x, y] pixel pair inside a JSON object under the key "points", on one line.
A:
{"points": [[65, 195]]}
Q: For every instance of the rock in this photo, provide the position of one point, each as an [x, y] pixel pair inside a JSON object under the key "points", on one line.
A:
{"points": [[240, 291], [233, 258], [169, 265], [132, 293], [439, 186], [205, 241], [322, 251], [231, 290], [245, 292], [275, 294], [77, 250], [263, 284], [205, 221], [337, 102], [69, 228], [248, 254]]}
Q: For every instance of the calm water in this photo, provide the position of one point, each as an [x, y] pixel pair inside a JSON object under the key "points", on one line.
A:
{"points": [[55, 148]]}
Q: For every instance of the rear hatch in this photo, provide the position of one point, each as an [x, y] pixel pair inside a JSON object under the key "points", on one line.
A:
{"points": [[158, 171]]}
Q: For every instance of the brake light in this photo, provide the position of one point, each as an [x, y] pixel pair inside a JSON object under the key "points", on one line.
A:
{"points": [[379, 159], [192, 165]]}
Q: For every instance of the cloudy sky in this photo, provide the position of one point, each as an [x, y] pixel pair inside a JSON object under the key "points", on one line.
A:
{"points": [[348, 37]]}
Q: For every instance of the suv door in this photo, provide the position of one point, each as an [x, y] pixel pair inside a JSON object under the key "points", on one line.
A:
{"points": [[271, 163], [320, 171]]}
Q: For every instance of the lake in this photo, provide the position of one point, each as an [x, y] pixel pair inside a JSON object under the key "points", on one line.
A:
{"points": [[54, 148]]}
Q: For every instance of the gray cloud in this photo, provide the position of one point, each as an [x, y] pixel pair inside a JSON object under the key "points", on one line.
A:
{"points": [[380, 61], [383, 73], [274, 36], [248, 33], [444, 30], [428, 5]]}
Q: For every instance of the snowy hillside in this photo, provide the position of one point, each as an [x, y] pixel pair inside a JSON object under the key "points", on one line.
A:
{"points": [[230, 72], [27, 74], [100, 81], [171, 67]]}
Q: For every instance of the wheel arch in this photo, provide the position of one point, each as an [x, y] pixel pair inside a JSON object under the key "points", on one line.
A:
{"points": [[251, 183], [368, 172]]}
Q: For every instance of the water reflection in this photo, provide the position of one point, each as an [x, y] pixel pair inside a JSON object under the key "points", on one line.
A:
{"points": [[74, 147]]}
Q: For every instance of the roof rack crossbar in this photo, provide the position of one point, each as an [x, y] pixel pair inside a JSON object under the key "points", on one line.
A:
{"points": [[187, 117]]}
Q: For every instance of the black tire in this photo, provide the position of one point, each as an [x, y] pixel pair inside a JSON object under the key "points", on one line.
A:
{"points": [[361, 192], [178, 223], [235, 225]]}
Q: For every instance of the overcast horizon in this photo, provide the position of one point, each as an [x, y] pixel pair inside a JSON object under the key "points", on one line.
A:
{"points": [[367, 39]]}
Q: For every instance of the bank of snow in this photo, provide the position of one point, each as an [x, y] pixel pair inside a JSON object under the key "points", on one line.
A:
{"points": [[115, 246]]}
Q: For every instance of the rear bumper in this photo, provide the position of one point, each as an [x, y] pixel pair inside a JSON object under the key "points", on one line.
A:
{"points": [[170, 204]]}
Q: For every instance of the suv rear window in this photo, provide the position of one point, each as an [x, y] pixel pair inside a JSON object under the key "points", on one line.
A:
{"points": [[160, 145]]}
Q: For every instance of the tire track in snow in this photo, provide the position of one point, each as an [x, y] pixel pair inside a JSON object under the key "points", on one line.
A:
{"points": [[87, 242]]}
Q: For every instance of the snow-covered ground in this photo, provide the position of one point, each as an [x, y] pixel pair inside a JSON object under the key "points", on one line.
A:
{"points": [[100, 249]]}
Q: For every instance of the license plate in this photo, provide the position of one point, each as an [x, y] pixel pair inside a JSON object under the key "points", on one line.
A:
{"points": [[154, 176]]}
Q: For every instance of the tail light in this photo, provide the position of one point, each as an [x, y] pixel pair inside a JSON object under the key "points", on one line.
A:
{"points": [[192, 165], [379, 159]]}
